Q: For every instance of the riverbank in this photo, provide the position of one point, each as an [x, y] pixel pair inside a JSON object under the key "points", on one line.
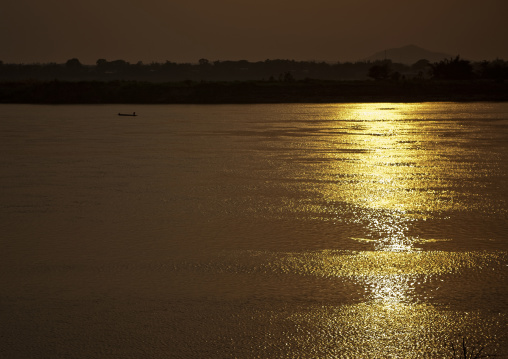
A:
{"points": [[305, 91]]}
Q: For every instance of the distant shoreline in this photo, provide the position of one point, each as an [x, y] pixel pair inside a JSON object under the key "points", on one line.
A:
{"points": [[249, 92]]}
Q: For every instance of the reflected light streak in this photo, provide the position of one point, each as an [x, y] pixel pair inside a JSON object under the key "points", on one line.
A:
{"points": [[391, 166], [383, 162], [383, 168], [395, 185], [390, 290]]}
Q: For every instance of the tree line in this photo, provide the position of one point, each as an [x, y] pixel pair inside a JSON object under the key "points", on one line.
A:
{"points": [[447, 69], [243, 70]]}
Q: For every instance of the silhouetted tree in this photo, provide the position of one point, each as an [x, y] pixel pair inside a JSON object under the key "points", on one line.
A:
{"points": [[420, 65], [422, 68], [73, 64], [380, 71], [204, 62], [288, 77], [495, 70], [453, 69], [118, 64]]}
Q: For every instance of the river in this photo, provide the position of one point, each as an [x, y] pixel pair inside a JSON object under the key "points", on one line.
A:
{"points": [[253, 231]]}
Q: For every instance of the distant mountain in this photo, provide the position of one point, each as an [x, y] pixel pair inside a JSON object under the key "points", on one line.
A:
{"points": [[408, 55]]}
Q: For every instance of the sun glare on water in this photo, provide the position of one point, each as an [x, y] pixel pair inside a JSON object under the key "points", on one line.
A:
{"points": [[385, 166]]}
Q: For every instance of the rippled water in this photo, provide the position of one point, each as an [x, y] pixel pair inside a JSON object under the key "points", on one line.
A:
{"points": [[253, 231]]}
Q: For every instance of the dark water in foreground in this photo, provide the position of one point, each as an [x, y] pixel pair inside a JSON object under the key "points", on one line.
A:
{"points": [[253, 231]]}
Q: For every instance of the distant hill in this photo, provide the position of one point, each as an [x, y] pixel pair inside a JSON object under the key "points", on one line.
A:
{"points": [[408, 55]]}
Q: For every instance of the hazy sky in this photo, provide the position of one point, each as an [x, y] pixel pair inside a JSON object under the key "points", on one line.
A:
{"points": [[187, 30]]}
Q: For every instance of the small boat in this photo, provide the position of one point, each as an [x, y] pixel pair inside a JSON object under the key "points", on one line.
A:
{"points": [[127, 114]]}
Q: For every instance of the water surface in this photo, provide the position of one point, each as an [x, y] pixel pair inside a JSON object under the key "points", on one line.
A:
{"points": [[253, 231]]}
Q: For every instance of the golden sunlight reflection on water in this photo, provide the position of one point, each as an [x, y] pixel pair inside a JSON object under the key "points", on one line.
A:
{"points": [[389, 170], [395, 177], [376, 330]]}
